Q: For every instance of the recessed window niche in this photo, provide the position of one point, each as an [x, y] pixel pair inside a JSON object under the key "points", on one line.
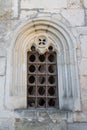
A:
{"points": [[51, 65]]}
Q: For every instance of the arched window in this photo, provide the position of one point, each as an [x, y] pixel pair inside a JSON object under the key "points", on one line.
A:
{"points": [[32, 43]]}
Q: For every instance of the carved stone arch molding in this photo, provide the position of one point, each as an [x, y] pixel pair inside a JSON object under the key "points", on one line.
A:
{"points": [[56, 33]]}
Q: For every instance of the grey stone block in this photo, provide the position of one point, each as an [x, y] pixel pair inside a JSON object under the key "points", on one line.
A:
{"points": [[25, 124], [2, 66], [6, 124], [4, 128], [77, 126]]}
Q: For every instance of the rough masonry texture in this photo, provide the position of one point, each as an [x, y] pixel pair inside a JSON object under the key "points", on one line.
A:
{"points": [[64, 23]]}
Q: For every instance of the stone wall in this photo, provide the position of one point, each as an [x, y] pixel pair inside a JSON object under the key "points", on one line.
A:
{"points": [[16, 12]]}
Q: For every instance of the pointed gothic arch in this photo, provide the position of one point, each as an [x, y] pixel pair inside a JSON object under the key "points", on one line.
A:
{"points": [[65, 45]]}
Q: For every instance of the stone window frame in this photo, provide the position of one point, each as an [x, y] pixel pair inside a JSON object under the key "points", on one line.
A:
{"points": [[64, 42]]}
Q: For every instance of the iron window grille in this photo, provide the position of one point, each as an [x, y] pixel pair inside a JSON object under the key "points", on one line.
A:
{"points": [[42, 86]]}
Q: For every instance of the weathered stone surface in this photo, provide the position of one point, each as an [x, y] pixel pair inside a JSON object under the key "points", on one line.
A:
{"points": [[74, 4], [29, 4], [9, 9], [2, 52], [24, 124], [2, 66], [6, 124], [70, 117], [5, 8], [80, 117], [83, 40], [5, 5], [58, 116], [83, 67], [5, 26], [15, 8], [74, 16], [81, 30], [55, 10], [61, 126], [83, 87], [7, 114], [2, 83], [28, 14], [84, 90], [43, 116], [85, 3], [77, 126], [84, 105]]}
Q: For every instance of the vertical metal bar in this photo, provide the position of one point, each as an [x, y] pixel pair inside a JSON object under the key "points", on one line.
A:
{"points": [[36, 100], [46, 78]]}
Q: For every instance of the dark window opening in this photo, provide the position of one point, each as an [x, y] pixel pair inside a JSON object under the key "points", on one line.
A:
{"points": [[42, 58], [32, 58]]}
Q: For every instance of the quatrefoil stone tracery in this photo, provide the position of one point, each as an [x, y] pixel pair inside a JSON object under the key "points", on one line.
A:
{"points": [[42, 43], [42, 40]]}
